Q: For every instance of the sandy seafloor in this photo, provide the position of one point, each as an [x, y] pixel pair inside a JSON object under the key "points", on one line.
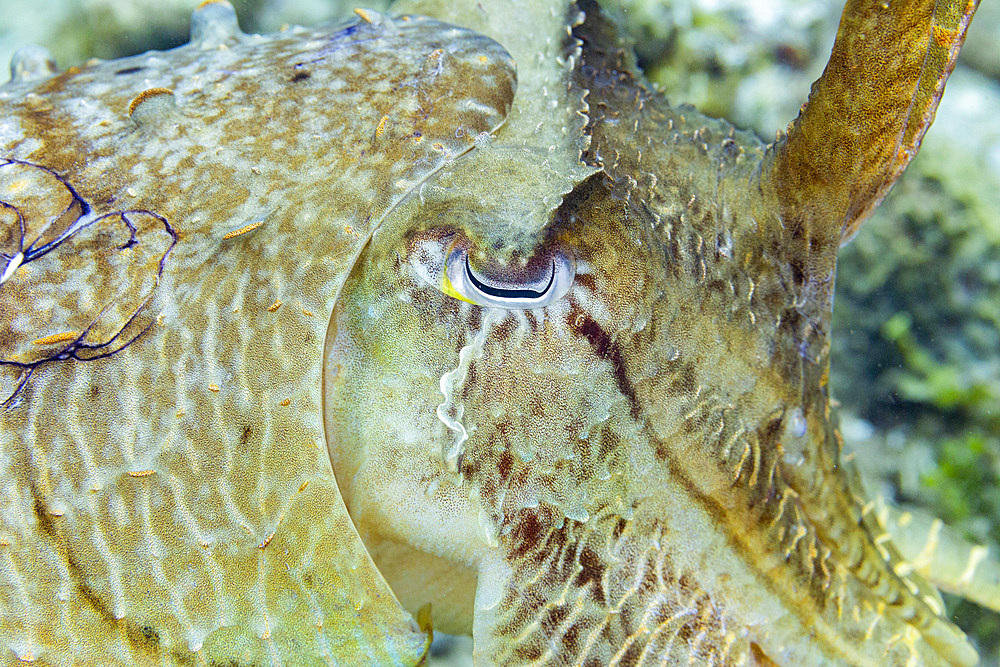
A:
{"points": [[916, 358]]}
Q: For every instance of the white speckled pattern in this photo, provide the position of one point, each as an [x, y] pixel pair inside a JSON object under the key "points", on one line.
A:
{"points": [[177, 226]]}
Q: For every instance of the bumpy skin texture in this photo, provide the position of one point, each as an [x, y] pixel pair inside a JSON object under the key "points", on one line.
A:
{"points": [[247, 411], [645, 471], [168, 495]]}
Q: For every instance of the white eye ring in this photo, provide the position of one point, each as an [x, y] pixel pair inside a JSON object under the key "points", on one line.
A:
{"points": [[465, 284]]}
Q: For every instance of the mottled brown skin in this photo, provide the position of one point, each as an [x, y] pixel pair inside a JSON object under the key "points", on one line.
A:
{"points": [[868, 112], [649, 471]]}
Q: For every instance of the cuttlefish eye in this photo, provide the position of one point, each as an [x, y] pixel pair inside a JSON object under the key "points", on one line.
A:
{"points": [[535, 284]]}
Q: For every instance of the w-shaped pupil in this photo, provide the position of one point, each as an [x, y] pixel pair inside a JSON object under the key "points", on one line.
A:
{"points": [[508, 292]]}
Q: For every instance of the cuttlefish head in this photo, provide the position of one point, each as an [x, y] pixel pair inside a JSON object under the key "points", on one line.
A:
{"points": [[595, 423]]}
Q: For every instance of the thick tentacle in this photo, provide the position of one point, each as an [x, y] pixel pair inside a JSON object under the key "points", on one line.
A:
{"points": [[940, 554]]}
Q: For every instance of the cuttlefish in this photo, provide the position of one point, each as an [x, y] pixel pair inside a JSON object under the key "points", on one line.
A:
{"points": [[313, 342]]}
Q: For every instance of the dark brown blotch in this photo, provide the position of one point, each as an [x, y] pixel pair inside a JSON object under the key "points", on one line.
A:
{"points": [[591, 572], [607, 349]]}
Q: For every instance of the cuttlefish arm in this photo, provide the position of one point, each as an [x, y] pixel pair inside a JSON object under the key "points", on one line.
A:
{"points": [[942, 555], [868, 112], [863, 123]]}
